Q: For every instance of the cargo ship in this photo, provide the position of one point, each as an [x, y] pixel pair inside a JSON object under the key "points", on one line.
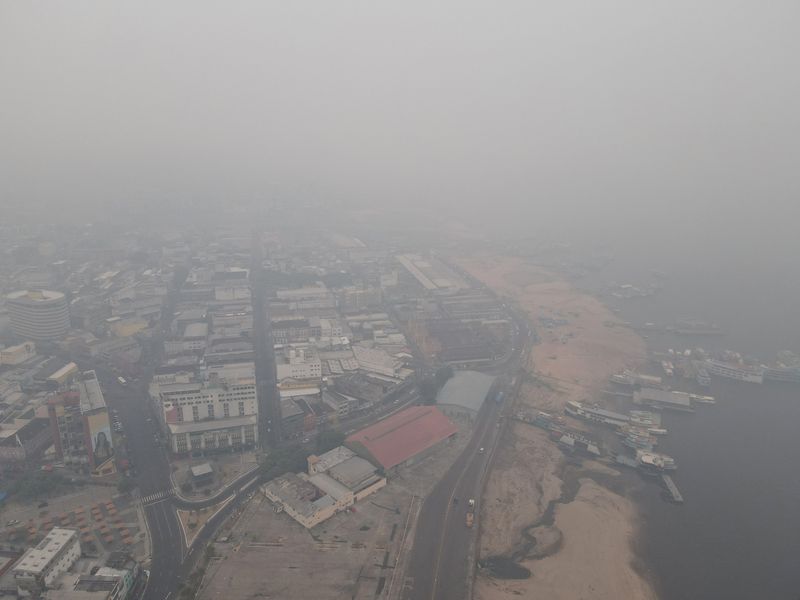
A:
{"points": [[735, 371]]}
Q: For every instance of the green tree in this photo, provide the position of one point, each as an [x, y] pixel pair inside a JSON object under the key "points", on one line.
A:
{"points": [[443, 374], [328, 440], [126, 485], [428, 390]]}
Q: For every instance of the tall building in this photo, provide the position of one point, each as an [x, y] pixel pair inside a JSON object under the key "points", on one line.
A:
{"points": [[215, 411], [80, 425], [39, 315]]}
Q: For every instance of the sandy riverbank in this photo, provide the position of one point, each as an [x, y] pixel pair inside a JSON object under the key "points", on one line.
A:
{"points": [[593, 560], [591, 554]]}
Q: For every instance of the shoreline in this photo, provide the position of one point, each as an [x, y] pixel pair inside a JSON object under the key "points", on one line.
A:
{"points": [[558, 530]]}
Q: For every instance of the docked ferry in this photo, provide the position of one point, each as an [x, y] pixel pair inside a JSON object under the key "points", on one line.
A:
{"points": [[784, 374], [734, 371]]}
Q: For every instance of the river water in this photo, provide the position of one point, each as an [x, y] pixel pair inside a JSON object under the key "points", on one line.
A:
{"points": [[737, 537]]}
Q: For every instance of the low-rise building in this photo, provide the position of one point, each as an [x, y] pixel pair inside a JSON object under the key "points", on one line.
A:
{"points": [[113, 581], [40, 566], [293, 330], [292, 418], [24, 439], [298, 363], [300, 499], [15, 355], [354, 299], [335, 481], [63, 375], [403, 437], [377, 361]]}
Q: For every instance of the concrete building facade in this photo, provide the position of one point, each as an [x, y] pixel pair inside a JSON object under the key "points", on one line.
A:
{"points": [[298, 363], [213, 413], [80, 426], [38, 315], [40, 566]]}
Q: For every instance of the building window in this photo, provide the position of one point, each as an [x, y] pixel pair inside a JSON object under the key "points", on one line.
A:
{"points": [[241, 409], [180, 414], [195, 413], [226, 410], [210, 411]]}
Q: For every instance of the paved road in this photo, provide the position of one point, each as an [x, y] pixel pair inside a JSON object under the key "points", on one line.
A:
{"points": [[442, 538], [440, 566], [153, 478], [269, 418]]}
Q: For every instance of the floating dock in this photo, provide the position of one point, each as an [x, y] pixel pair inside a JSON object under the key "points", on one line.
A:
{"points": [[673, 490]]}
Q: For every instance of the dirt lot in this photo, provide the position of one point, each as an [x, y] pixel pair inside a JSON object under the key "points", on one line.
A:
{"points": [[581, 344], [358, 555]]}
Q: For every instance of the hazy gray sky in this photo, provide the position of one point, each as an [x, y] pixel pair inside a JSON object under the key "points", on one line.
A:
{"points": [[529, 109]]}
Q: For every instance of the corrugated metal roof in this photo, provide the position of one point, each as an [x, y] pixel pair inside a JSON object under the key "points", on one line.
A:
{"points": [[404, 435]]}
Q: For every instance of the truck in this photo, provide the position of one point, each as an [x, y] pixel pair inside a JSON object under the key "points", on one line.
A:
{"points": [[470, 518]]}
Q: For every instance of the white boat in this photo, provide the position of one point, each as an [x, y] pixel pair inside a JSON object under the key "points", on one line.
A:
{"points": [[734, 371], [652, 461], [657, 431]]}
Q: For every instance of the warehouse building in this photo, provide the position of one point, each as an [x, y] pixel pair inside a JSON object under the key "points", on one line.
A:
{"points": [[404, 437]]}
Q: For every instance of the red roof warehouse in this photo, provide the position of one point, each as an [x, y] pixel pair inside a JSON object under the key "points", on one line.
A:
{"points": [[402, 436]]}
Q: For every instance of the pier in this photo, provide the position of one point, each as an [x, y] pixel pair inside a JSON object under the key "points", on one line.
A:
{"points": [[673, 490]]}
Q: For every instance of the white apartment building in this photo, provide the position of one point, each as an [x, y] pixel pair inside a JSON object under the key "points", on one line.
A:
{"points": [[215, 410], [44, 563], [298, 363]]}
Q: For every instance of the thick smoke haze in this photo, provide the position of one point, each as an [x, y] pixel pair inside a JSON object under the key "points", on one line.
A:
{"points": [[570, 115]]}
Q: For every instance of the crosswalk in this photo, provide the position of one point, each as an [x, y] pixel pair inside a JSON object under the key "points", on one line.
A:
{"points": [[157, 496]]}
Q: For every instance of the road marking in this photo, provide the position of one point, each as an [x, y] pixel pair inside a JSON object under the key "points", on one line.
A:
{"points": [[157, 497]]}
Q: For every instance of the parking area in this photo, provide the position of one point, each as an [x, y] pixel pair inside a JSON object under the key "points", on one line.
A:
{"points": [[106, 520]]}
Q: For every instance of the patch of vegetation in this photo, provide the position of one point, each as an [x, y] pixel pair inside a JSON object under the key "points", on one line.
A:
{"points": [[126, 485], [39, 484], [282, 461], [430, 386], [328, 440]]}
